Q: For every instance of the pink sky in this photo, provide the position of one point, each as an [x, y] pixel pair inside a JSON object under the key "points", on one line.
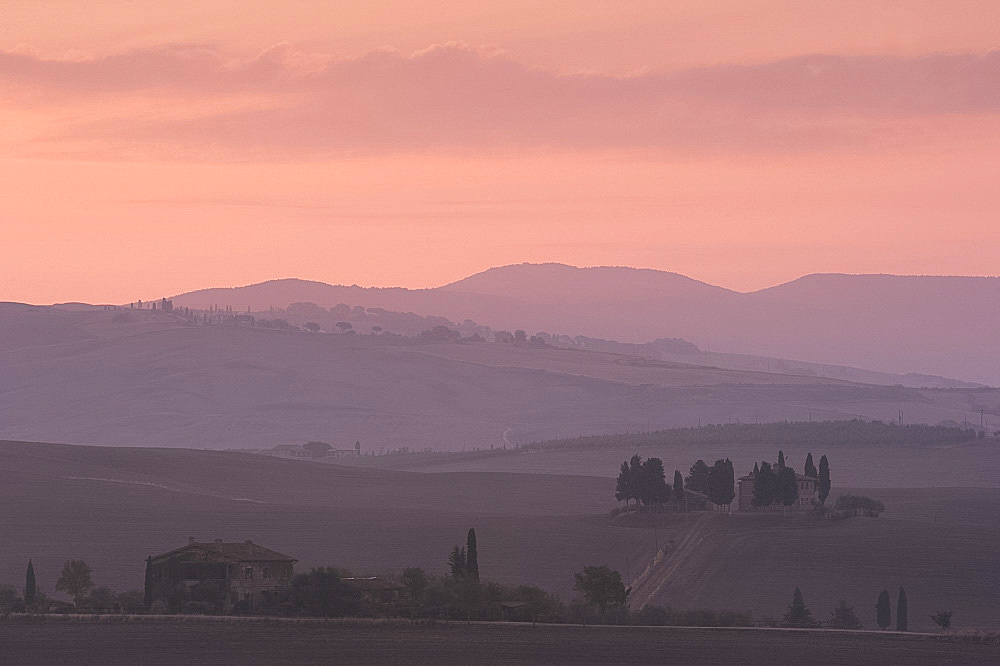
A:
{"points": [[151, 148]]}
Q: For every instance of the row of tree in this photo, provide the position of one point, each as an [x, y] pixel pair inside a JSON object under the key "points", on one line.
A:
{"points": [[644, 481], [844, 617]]}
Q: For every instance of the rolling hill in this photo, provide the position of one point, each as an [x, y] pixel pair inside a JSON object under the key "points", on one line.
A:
{"points": [[900, 324], [87, 376]]}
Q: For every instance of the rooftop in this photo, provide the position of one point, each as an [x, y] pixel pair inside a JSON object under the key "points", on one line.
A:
{"points": [[242, 551]]}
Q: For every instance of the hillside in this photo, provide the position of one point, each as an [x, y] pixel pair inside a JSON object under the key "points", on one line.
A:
{"points": [[756, 561], [861, 454], [898, 324], [154, 380]]}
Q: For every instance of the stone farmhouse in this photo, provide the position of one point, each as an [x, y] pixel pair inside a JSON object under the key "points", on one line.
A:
{"points": [[218, 576], [808, 492]]}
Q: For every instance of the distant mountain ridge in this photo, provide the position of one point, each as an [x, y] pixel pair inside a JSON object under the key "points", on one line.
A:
{"points": [[941, 325]]}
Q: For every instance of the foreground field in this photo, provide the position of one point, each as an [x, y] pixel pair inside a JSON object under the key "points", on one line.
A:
{"points": [[112, 507], [211, 642]]}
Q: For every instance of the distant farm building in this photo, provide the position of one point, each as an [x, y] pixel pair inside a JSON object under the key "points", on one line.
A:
{"points": [[218, 577], [310, 451], [808, 492]]}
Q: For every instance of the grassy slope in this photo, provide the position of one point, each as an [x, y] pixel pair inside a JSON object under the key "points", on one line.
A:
{"points": [[125, 504]]}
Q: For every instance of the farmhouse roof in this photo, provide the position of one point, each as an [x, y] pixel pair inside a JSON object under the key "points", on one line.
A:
{"points": [[244, 551]]}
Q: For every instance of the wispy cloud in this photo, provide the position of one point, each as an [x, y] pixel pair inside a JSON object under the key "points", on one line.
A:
{"points": [[193, 102]]}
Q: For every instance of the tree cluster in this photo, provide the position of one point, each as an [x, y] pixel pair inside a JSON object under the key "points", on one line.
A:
{"points": [[643, 481], [853, 505], [76, 580]]}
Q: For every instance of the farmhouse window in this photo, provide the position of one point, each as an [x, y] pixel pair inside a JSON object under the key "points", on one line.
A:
{"points": [[267, 572], [248, 573]]}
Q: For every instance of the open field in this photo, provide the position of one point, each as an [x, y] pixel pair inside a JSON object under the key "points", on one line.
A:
{"points": [[278, 642], [113, 506], [80, 377]]}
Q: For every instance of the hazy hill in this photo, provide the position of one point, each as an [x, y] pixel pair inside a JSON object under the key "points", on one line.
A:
{"points": [[153, 380], [925, 324]]}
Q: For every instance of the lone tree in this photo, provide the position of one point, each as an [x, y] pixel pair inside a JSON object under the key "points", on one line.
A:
{"points": [[883, 612], [697, 479], [901, 610], [678, 486], [472, 555], [75, 580], [344, 326], [810, 468], [824, 479], [601, 587], [843, 617], [30, 590], [942, 618], [797, 614], [312, 326], [781, 459]]}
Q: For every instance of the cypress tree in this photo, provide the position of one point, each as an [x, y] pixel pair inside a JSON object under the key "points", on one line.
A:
{"points": [[901, 619], [824, 479], [731, 476], [147, 585], [810, 468], [678, 486], [781, 459], [30, 590], [786, 487], [764, 485], [472, 555], [797, 614], [883, 611], [621, 485]]}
